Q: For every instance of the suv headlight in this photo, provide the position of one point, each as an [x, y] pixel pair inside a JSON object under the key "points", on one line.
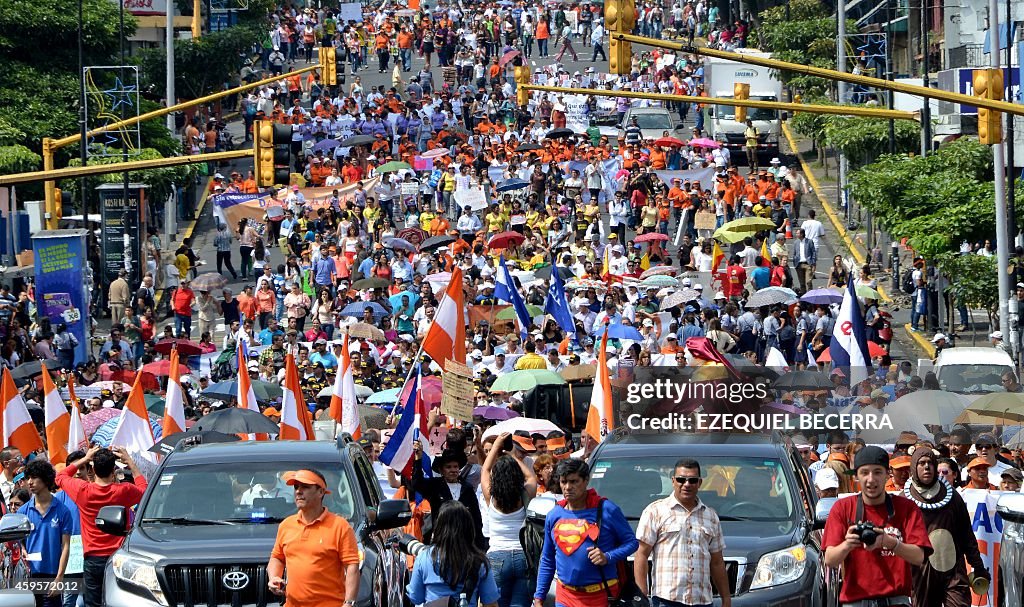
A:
{"points": [[138, 571], [780, 567]]}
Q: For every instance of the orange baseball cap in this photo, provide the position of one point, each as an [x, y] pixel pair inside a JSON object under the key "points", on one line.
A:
{"points": [[557, 448], [900, 462], [524, 440], [305, 477], [978, 461], [271, 411]]}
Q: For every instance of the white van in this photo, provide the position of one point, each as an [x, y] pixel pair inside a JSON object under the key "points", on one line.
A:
{"points": [[973, 371]]}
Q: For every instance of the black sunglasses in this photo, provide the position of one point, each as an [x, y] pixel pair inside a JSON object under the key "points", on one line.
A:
{"points": [[688, 480], [984, 446]]}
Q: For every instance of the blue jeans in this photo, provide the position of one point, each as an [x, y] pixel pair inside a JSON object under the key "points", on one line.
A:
{"points": [[542, 47], [182, 322], [406, 55], [512, 578]]}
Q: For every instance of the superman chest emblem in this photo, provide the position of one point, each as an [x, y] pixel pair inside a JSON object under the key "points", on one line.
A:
{"points": [[569, 534]]}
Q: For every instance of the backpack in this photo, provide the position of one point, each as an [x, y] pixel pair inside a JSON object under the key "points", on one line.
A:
{"points": [[531, 536], [907, 282]]}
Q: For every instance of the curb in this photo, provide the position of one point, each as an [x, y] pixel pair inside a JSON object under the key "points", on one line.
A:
{"points": [[188, 231], [921, 341], [826, 205]]}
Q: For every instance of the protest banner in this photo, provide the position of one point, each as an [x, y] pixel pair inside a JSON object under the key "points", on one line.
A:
{"points": [[988, 528]]}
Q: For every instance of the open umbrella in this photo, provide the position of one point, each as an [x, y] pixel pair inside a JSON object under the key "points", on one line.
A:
{"points": [[394, 165], [498, 414], [867, 292], [803, 380], [436, 241], [209, 281], [236, 420], [619, 331], [510, 185], [363, 330], [27, 370], [659, 281], [704, 142], [399, 243], [650, 237], [435, 153], [356, 309], [185, 347], [168, 443], [790, 293], [545, 272], [509, 313], [509, 56], [559, 134], [658, 271], [585, 283], [764, 297], [413, 235], [505, 240], [873, 350], [671, 142], [1003, 405], [679, 298], [370, 283], [92, 421], [384, 397], [526, 424], [934, 407], [325, 145], [529, 147], [227, 390], [162, 368], [357, 140], [822, 297], [430, 391], [747, 225], [105, 433]]}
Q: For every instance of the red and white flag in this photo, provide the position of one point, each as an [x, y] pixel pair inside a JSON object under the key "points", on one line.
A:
{"points": [[600, 418], [174, 401], [18, 429], [76, 431], [295, 421], [344, 407], [58, 421], [446, 338], [133, 431]]}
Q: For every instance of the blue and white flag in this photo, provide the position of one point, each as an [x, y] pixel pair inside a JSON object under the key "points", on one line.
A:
{"points": [[557, 304], [849, 346], [505, 290], [398, 453]]}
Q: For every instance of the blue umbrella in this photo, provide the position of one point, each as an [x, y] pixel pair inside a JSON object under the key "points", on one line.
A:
{"points": [[384, 397], [512, 184], [105, 433], [226, 390], [325, 145], [822, 297], [396, 299], [356, 310], [619, 331]]}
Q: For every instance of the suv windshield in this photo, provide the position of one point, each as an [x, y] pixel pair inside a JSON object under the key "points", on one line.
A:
{"points": [[742, 490], [653, 121], [728, 112], [972, 379], [240, 492]]}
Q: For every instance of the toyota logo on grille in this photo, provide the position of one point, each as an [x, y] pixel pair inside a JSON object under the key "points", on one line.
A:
{"points": [[235, 580]]}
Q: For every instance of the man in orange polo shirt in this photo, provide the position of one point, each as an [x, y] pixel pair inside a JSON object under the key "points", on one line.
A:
{"points": [[317, 546], [381, 44]]}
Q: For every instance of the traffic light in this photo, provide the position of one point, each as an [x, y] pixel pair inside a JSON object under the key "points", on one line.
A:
{"points": [[988, 84], [741, 91], [328, 65], [619, 18], [58, 203], [522, 76], [272, 153]]}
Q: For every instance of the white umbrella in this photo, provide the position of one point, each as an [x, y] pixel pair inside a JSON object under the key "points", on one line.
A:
{"points": [[529, 424]]}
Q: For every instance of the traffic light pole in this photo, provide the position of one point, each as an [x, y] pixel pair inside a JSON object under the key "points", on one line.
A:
{"points": [[839, 110], [1003, 248], [900, 87], [120, 167]]}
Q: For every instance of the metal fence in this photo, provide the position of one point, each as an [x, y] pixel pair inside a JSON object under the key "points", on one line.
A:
{"points": [[968, 55]]}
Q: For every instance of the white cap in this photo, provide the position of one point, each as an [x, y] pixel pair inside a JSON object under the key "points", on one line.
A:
{"points": [[648, 322], [477, 354], [776, 161], [939, 336], [108, 404], [698, 287], [995, 335], [686, 282], [826, 478], [719, 295]]}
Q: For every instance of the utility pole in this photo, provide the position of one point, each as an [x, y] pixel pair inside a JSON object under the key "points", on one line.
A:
{"points": [[1011, 183], [83, 144], [926, 112], [999, 166], [169, 82], [844, 201]]}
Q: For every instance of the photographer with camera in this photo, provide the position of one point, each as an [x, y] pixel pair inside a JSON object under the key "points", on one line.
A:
{"points": [[876, 537]]}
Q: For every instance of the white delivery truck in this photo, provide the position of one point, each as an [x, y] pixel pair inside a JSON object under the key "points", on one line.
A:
{"points": [[719, 77]]}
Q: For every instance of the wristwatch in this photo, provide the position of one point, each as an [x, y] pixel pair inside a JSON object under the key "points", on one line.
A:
{"points": [[349, 604]]}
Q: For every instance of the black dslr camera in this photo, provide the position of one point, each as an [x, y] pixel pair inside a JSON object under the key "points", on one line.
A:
{"points": [[865, 530]]}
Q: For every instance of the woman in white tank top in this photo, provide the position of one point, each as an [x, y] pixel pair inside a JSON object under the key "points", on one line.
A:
{"points": [[507, 484]]}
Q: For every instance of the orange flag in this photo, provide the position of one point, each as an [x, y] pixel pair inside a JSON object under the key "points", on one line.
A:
{"points": [[18, 429], [174, 401], [600, 418], [58, 421], [133, 431], [295, 421]]}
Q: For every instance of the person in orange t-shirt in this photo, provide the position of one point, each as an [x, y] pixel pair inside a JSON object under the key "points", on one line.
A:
{"points": [[658, 159], [317, 546], [381, 43]]}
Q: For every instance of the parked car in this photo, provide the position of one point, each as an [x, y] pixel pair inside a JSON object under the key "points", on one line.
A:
{"points": [[197, 540], [761, 492], [972, 372], [14, 528]]}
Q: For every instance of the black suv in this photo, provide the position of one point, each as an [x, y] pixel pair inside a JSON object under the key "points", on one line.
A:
{"points": [[200, 536], [759, 489]]}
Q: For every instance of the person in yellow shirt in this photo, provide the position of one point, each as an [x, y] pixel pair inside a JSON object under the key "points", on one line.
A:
{"points": [[531, 360], [495, 220], [426, 217]]}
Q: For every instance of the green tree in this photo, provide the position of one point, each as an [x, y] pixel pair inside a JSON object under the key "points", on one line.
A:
{"points": [[202, 66], [976, 285], [161, 181]]}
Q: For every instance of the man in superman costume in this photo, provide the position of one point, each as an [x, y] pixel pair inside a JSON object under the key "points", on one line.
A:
{"points": [[582, 547]]}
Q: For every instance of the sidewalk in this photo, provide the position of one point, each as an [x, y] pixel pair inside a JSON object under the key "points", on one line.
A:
{"points": [[826, 198]]}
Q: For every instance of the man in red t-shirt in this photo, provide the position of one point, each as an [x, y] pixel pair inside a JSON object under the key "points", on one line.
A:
{"points": [[735, 279], [98, 546], [881, 570]]}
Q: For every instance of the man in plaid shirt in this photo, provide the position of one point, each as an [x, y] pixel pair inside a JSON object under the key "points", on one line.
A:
{"points": [[685, 538]]}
